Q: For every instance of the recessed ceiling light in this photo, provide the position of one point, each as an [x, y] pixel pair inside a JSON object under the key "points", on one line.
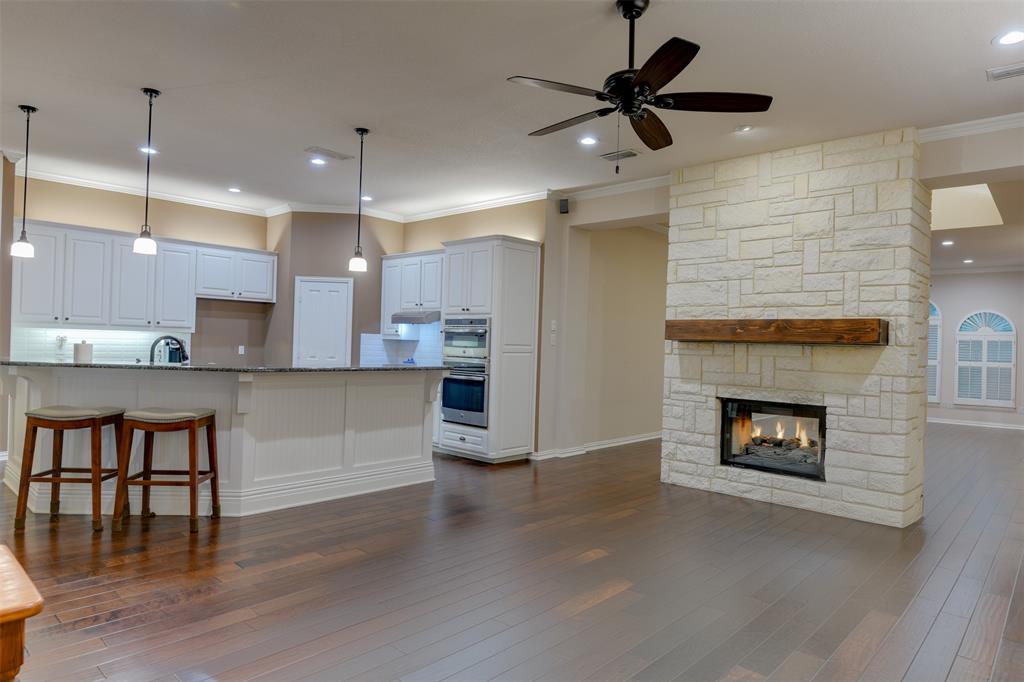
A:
{"points": [[968, 261], [588, 140], [948, 242], [148, 150], [317, 161], [744, 128], [1009, 38], [234, 189], [367, 197]]}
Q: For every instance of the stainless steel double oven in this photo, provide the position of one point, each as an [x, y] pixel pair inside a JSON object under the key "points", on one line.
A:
{"points": [[466, 355]]}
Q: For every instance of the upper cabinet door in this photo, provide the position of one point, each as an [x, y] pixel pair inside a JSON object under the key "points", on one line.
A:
{"points": [[478, 291], [175, 287], [38, 291], [431, 268], [256, 277], [390, 296], [216, 277], [411, 269], [132, 287], [456, 276], [87, 278]]}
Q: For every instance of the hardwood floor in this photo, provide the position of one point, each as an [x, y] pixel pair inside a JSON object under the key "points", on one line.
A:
{"points": [[582, 568]]}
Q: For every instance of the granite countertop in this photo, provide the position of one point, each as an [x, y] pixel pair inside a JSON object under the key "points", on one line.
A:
{"points": [[222, 368]]}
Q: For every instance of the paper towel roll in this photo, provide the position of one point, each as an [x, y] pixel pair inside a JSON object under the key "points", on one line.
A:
{"points": [[83, 353]]}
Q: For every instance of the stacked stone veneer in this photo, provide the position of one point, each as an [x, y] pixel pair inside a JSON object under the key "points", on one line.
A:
{"points": [[839, 229]]}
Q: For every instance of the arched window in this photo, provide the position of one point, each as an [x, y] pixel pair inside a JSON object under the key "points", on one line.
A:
{"points": [[985, 360], [934, 351]]}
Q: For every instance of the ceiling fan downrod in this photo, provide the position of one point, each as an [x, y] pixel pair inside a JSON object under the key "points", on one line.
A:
{"points": [[631, 10]]}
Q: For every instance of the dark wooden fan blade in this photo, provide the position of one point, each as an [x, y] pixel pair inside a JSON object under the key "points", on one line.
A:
{"points": [[666, 63], [569, 123], [560, 87], [713, 101], [651, 130]]}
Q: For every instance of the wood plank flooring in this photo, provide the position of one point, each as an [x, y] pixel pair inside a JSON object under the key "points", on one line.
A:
{"points": [[582, 568]]}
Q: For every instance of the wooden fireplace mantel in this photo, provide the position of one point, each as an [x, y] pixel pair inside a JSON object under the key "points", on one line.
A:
{"points": [[847, 331]]}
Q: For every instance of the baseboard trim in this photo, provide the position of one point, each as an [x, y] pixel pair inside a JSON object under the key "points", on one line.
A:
{"points": [[77, 499], [967, 422], [596, 445]]}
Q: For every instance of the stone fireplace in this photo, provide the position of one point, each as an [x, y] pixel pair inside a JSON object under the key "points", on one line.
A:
{"points": [[834, 230]]}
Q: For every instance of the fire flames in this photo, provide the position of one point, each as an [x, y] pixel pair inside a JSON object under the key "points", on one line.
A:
{"points": [[780, 431], [756, 430]]}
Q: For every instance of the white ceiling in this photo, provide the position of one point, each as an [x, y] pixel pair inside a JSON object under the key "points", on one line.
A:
{"points": [[248, 86], [998, 245]]}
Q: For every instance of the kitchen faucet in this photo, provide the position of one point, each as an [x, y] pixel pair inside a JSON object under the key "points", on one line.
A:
{"points": [[181, 345]]}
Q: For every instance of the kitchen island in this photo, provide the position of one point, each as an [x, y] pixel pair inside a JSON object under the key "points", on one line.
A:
{"points": [[286, 436]]}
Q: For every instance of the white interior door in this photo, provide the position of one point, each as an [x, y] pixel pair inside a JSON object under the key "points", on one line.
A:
{"points": [[323, 322]]}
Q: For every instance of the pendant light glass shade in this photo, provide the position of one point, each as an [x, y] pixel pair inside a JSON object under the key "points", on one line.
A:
{"points": [[144, 243], [23, 247], [357, 263]]}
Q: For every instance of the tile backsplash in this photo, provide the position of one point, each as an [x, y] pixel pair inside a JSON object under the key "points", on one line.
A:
{"points": [[53, 344], [375, 349]]}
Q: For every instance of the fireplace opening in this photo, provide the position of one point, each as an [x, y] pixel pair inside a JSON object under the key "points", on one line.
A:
{"points": [[782, 438]]}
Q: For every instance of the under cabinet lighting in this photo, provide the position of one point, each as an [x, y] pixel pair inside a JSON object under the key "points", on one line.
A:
{"points": [[1009, 38], [948, 242]]}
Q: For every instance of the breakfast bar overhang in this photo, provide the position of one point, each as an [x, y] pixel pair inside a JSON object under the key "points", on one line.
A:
{"points": [[286, 436]]}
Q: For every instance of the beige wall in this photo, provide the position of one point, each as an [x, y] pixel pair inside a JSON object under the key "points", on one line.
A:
{"points": [[526, 221], [6, 235], [957, 296], [222, 326], [61, 203], [625, 333], [320, 244]]}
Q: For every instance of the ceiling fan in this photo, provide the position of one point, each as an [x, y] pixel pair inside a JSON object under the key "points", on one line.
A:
{"points": [[631, 91]]}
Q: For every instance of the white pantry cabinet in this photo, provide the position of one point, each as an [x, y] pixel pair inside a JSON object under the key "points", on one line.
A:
{"points": [[236, 275], [468, 276]]}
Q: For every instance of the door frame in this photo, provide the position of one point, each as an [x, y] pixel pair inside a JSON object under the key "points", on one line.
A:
{"points": [[295, 314]]}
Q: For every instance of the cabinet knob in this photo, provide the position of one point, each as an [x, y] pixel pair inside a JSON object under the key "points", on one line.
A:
{"points": [[149, 321], [158, 321], [462, 438], [56, 317], [66, 318]]}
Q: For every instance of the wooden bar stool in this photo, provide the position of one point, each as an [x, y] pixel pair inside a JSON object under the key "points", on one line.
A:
{"points": [[153, 420], [61, 418]]}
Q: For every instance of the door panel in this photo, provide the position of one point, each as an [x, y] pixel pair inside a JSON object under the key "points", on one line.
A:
{"points": [[323, 322], [390, 296], [430, 281], [455, 273], [478, 292], [175, 287], [38, 282], [411, 273], [256, 277], [215, 273]]}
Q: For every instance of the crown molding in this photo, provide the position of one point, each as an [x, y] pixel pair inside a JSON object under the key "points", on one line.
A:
{"points": [[333, 208], [477, 206], [123, 189], [977, 127], [621, 188]]}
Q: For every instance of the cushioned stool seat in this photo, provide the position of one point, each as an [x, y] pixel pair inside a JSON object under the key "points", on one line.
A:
{"points": [[164, 415], [72, 413]]}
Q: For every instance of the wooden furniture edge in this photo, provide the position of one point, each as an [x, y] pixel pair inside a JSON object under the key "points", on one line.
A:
{"points": [[19, 598], [847, 331]]}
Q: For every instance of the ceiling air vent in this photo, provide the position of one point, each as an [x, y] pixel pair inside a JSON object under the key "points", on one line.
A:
{"points": [[620, 154], [329, 153], [999, 73]]}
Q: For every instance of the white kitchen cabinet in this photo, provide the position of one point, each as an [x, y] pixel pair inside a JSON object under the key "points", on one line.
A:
{"points": [[431, 270], [133, 286], [38, 283], [236, 275], [412, 270], [175, 301], [86, 278], [390, 296], [469, 271]]}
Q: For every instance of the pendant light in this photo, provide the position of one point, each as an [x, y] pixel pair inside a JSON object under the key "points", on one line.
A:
{"points": [[23, 247], [357, 263], [144, 244]]}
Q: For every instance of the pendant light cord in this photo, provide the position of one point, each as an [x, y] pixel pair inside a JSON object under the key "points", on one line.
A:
{"points": [[359, 212], [149, 159], [24, 185]]}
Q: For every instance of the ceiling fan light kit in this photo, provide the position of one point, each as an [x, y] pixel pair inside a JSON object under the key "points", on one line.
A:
{"points": [[632, 92]]}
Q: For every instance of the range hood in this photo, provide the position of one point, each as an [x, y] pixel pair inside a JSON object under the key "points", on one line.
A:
{"points": [[417, 317]]}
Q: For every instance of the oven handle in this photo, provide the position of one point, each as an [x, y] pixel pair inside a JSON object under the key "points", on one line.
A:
{"points": [[468, 377]]}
